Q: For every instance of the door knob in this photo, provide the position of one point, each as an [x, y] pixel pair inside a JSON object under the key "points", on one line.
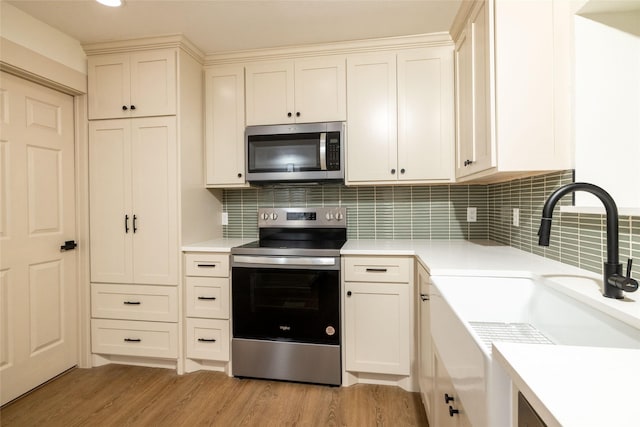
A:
{"points": [[69, 245]]}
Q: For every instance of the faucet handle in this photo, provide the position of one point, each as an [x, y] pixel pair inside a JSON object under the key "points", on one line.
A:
{"points": [[626, 283], [629, 284]]}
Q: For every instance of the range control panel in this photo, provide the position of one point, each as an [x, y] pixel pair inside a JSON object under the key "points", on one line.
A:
{"points": [[302, 217]]}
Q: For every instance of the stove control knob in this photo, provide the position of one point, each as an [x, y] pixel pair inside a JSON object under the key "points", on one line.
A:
{"points": [[274, 216], [329, 216], [265, 216], [339, 216]]}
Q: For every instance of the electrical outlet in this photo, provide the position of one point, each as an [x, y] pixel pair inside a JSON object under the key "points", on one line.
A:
{"points": [[472, 214], [225, 218], [516, 217]]}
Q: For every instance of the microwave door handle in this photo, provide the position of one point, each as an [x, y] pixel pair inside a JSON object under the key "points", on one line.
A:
{"points": [[323, 151]]}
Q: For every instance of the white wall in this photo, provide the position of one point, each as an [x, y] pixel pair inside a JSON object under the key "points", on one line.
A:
{"points": [[607, 106], [23, 29]]}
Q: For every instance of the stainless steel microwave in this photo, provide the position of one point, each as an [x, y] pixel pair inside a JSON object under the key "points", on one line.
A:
{"points": [[295, 153]]}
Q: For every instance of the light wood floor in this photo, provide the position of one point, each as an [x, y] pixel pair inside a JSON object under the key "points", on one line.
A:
{"points": [[118, 395]]}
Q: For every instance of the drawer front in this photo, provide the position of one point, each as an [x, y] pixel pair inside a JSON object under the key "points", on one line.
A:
{"points": [[378, 269], [207, 297], [207, 264], [134, 302], [130, 338], [208, 339]]}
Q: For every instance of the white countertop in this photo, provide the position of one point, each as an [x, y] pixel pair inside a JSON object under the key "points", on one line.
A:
{"points": [[575, 386], [215, 245]]}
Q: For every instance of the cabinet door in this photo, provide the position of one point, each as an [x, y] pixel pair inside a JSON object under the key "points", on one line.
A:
{"points": [[377, 327], [464, 103], [153, 83], [482, 113], [224, 107], [320, 90], [425, 347], [371, 108], [425, 115], [154, 194], [473, 50], [446, 398], [110, 201], [108, 78], [270, 96]]}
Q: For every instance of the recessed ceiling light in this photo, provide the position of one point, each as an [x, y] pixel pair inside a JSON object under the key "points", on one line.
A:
{"points": [[111, 3]]}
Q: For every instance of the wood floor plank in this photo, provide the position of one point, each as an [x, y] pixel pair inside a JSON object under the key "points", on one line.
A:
{"points": [[119, 395]]}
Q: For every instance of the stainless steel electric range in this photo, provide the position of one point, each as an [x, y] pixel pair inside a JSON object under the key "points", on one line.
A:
{"points": [[285, 290]]}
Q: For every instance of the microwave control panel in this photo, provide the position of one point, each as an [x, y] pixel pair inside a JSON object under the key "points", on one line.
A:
{"points": [[333, 151]]}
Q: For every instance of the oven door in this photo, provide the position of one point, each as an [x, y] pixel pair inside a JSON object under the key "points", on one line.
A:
{"points": [[286, 298]]}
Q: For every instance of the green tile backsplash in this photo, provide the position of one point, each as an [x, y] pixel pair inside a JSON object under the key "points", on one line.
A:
{"points": [[440, 212], [425, 212]]}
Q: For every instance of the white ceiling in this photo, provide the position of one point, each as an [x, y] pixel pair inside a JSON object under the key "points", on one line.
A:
{"points": [[216, 26]]}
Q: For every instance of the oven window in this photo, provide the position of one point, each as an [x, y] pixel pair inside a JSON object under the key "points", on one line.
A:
{"points": [[286, 304], [279, 291], [284, 153]]}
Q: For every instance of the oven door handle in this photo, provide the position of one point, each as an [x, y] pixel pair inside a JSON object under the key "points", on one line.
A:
{"points": [[291, 261]]}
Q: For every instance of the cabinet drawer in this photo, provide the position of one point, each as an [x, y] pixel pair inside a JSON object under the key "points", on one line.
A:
{"points": [[378, 269], [206, 264], [130, 338], [134, 302], [207, 297], [208, 339]]}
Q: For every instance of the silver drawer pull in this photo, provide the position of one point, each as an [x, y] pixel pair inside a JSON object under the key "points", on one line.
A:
{"points": [[207, 298], [206, 339], [206, 265], [132, 340], [132, 303], [376, 270]]}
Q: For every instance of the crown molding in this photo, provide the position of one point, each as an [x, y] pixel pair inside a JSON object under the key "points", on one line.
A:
{"points": [[145, 43], [336, 48]]}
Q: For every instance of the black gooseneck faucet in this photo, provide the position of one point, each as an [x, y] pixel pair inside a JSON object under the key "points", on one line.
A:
{"points": [[613, 280]]}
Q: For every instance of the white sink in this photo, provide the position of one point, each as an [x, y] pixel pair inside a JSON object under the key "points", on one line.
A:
{"points": [[468, 313], [525, 301]]}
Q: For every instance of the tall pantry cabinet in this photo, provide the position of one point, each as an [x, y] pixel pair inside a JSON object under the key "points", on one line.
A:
{"points": [[147, 195]]}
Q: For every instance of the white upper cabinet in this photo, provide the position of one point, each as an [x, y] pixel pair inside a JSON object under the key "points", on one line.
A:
{"points": [[300, 91], [607, 103], [140, 84], [400, 117], [224, 126], [512, 76]]}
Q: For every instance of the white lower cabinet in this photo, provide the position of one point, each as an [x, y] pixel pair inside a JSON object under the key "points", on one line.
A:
{"points": [[207, 306], [425, 345], [208, 339], [134, 338], [378, 318], [447, 408], [134, 321]]}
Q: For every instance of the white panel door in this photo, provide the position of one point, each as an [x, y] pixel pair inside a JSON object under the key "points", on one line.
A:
{"points": [[108, 86], [269, 96], [153, 83], [111, 222], [224, 121], [372, 115], [378, 327], [320, 90], [154, 160], [425, 115], [38, 305]]}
